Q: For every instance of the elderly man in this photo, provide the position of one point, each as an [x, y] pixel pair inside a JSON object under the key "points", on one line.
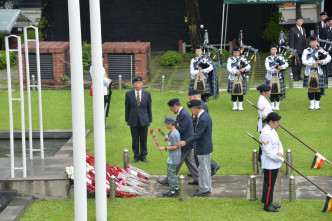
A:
{"points": [[194, 95], [204, 146], [297, 40], [320, 25], [138, 117]]}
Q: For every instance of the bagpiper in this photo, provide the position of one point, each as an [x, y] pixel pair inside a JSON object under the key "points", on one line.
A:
{"points": [[313, 57], [275, 77], [237, 67]]}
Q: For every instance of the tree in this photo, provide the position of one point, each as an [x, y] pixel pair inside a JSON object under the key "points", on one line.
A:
{"points": [[194, 20]]}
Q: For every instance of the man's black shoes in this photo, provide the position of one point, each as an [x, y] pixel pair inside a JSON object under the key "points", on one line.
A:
{"points": [[171, 193], [135, 160], [194, 182], [214, 171], [144, 160], [163, 182], [270, 208], [276, 206], [200, 193]]}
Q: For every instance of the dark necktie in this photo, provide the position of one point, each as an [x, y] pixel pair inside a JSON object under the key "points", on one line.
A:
{"points": [[138, 100]]}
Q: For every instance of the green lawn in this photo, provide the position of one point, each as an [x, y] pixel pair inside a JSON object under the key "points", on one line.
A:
{"points": [[173, 209], [232, 147]]}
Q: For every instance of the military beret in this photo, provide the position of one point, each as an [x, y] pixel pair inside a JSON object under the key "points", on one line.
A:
{"points": [[313, 38], [138, 79], [194, 103], [264, 88], [323, 13], [272, 116], [300, 17], [327, 19], [169, 119], [198, 46], [236, 48], [274, 46], [173, 101], [193, 92]]}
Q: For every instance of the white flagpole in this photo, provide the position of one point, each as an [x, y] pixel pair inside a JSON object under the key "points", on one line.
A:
{"points": [[78, 115], [98, 111]]}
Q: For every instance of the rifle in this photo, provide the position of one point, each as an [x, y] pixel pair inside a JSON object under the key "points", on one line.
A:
{"points": [[108, 99]]}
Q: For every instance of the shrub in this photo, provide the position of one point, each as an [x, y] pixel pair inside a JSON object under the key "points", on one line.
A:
{"points": [[170, 58], [12, 57], [86, 56], [273, 28]]}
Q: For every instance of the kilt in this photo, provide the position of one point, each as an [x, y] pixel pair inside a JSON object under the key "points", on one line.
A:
{"points": [[321, 79], [282, 85], [230, 86], [207, 85]]}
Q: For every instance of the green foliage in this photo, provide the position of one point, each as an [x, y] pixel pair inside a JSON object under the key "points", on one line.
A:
{"points": [[128, 85], [12, 57], [273, 28], [64, 78], [86, 55], [170, 58], [215, 55], [31, 34]]}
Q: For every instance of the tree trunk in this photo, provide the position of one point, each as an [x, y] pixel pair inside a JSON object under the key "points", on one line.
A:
{"points": [[194, 22], [298, 10]]}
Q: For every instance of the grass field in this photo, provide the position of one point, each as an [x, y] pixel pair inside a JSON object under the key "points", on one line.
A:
{"points": [[232, 147], [173, 209]]}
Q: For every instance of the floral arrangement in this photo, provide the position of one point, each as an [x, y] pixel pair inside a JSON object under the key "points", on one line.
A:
{"points": [[129, 183]]}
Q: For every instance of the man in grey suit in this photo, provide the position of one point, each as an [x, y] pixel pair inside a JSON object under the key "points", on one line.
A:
{"points": [[138, 117], [204, 146], [297, 40]]}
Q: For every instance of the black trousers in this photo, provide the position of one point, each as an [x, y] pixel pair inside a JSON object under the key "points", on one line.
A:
{"points": [[296, 69], [139, 136], [214, 164], [270, 177]]}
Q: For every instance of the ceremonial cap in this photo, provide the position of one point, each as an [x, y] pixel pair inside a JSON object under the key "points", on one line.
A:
{"points": [[236, 48], [327, 19], [300, 17], [169, 119], [264, 87], [313, 38], [194, 103], [272, 116], [198, 46], [323, 13], [138, 79], [193, 92], [274, 46], [173, 101]]}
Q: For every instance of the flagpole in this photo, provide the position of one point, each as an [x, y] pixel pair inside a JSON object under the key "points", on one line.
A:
{"points": [[292, 167], [292, 135]]}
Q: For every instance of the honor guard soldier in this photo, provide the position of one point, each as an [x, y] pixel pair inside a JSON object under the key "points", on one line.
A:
{"points": [[204, 77], [326, 34], [320, 25], [237, 67], [275, 76], [264, 108], [313, 57], [272, 159]]}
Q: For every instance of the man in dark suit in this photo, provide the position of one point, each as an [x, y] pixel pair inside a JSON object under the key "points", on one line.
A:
{"points": [[297, 40], [194, 95], [138, 117], [319, 25], [185, 127], [326, 34], [204, 146]]}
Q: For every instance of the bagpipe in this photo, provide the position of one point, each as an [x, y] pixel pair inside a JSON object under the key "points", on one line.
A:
{"points": [[108, 100], [245, 50], [283, 49], [210, 48], [327, 44]]}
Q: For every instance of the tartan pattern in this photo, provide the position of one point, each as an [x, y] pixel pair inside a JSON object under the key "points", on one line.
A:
{"points": [[321, 79], [230, 86]]}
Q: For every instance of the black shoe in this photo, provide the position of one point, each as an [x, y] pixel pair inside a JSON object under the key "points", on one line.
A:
{"points": [[163, 182], [300, 78], [144, 160], [170, 194], [194, 182], [135, 160], [275, 206], [215, 170], [270, 208], [199, 193], [189, 175]]}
